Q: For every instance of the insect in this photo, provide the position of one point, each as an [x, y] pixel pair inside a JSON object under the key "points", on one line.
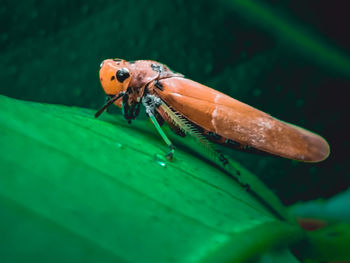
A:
{"points": [[189, 107]]}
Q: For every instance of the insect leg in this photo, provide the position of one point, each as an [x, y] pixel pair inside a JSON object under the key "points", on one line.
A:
{"points": [[151, 102], [126, 108], [170, 154]]}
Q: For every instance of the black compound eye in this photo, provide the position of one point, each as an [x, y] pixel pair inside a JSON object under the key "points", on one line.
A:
{"points": [[122, 74]]}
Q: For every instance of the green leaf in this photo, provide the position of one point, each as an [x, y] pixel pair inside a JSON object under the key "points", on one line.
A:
{"points": [[78, 189], [330, 243], [277, 256], [334, 209], [293, 35]]}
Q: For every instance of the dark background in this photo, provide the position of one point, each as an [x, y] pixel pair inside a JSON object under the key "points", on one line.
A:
{"points": [[287, 58]]}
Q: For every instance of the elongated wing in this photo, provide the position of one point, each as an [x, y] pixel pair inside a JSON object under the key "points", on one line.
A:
{"points": [[232, 119]]}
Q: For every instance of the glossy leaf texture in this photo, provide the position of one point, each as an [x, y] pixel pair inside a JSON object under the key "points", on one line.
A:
{"points": [[78, 189]]}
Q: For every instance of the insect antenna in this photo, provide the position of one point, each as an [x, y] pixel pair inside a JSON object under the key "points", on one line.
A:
{"points": [[108, 103]]}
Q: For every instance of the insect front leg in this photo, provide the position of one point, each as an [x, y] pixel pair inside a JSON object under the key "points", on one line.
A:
{"points": [[151, 103], [130, 110]]}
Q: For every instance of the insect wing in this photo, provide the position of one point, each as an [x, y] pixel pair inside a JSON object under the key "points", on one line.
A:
{"points": [[232, 119]]}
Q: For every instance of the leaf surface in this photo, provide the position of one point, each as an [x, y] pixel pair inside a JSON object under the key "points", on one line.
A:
{"points": [[78, 189]]}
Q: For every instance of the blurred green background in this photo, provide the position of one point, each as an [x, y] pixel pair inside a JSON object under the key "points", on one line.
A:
{"points": [[287, 58]]}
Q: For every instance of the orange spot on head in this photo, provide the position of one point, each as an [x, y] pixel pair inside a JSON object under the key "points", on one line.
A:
{"points": [[110, 79]]}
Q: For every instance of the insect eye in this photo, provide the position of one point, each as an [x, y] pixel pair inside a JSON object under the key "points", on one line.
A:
{"points": [[122, 74]]}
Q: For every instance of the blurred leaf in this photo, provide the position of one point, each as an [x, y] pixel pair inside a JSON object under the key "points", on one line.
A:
{"points": [[77, 189], [335, 209], [277, 256], [292, 34], [330, 243]]}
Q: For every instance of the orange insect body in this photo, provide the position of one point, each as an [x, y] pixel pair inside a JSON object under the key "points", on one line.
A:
{"points": [[218, 117]]}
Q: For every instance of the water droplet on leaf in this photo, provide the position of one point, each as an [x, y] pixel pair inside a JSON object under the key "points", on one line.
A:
{"points": [[119, 145], [160, 159]]}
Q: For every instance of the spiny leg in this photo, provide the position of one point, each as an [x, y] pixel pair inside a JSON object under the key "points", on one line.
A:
{"points": [[188, 128], [217, 156]]}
